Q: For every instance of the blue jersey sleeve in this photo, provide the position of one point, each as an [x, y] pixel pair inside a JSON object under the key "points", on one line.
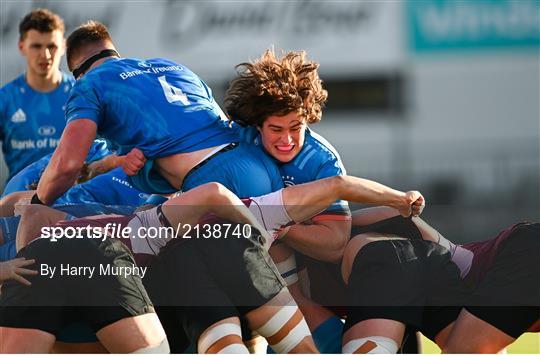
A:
{"points": [[110, 188], [83, 102], [27, 176]]}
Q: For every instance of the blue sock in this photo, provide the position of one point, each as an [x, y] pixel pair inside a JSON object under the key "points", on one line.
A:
{"points": [[8, 251], [9, 226], [327, 336]]}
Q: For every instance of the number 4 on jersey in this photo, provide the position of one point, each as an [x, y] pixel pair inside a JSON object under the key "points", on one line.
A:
{"points": [[172, 93]]}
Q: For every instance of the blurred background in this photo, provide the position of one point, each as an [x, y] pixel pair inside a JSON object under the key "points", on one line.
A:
{"points": [[439, 96]]}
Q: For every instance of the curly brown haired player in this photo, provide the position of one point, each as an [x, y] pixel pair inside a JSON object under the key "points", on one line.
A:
{"points": [[276, 86], [277, 97]]}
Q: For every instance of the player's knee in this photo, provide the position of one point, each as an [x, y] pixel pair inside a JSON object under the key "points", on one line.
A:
{"points": [[371, 345], [216, 193], [224, 338], [286, 329]]}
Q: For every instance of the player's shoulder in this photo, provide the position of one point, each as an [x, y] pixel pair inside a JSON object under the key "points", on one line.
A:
{"points": [[162, 61], [11, 95], [67, 83], [17, 85], [163, 65], [67, 79], [316, 147]]}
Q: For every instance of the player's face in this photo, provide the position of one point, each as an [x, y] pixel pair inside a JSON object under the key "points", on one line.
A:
{"points": [[283, 136], [43, 51]]}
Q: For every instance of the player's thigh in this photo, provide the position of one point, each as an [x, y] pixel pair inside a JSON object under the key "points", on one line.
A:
{"points": [[132, 333], [24, 340], [471, 334]]}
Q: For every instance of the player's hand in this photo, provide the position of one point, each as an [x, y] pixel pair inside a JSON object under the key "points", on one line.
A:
{"points": [[414, 204], [282, 232], [20, 206], [133, 162], [14, 269], [99, 167], [417, 207]]}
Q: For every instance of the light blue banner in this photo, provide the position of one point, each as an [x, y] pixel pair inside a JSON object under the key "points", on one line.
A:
{"points": [[462, 24]]}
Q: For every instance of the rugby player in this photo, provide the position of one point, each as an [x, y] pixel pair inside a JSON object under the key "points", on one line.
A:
{"points": [[271, 102], [505, 298], [157, 105], [299, 205], [28, 178], [427, 269], [172, 212], [32, 105], [91, 197]]}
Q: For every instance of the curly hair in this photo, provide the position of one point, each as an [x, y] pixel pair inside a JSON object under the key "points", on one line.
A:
{"points": [[275, 86]]}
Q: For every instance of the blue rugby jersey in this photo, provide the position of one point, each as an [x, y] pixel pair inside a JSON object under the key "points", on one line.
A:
{"points": [[317, 159], [111, 188], [156, 105], [32, 172], [31, 122]]}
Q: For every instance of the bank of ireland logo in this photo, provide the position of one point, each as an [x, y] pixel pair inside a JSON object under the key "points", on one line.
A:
{"points": [[19, 116], [144, 64], [46, 130], [288, 180]]}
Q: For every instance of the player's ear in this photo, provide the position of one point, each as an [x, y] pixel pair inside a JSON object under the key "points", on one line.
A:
{"points": [[21, 47]]}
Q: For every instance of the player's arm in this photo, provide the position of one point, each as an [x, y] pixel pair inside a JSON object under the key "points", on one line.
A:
{"points": [[367, 216], [67, 160], [307, 200], [323, 240], [99, 167], [192, 205], [326, 240], [370, 215]]}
